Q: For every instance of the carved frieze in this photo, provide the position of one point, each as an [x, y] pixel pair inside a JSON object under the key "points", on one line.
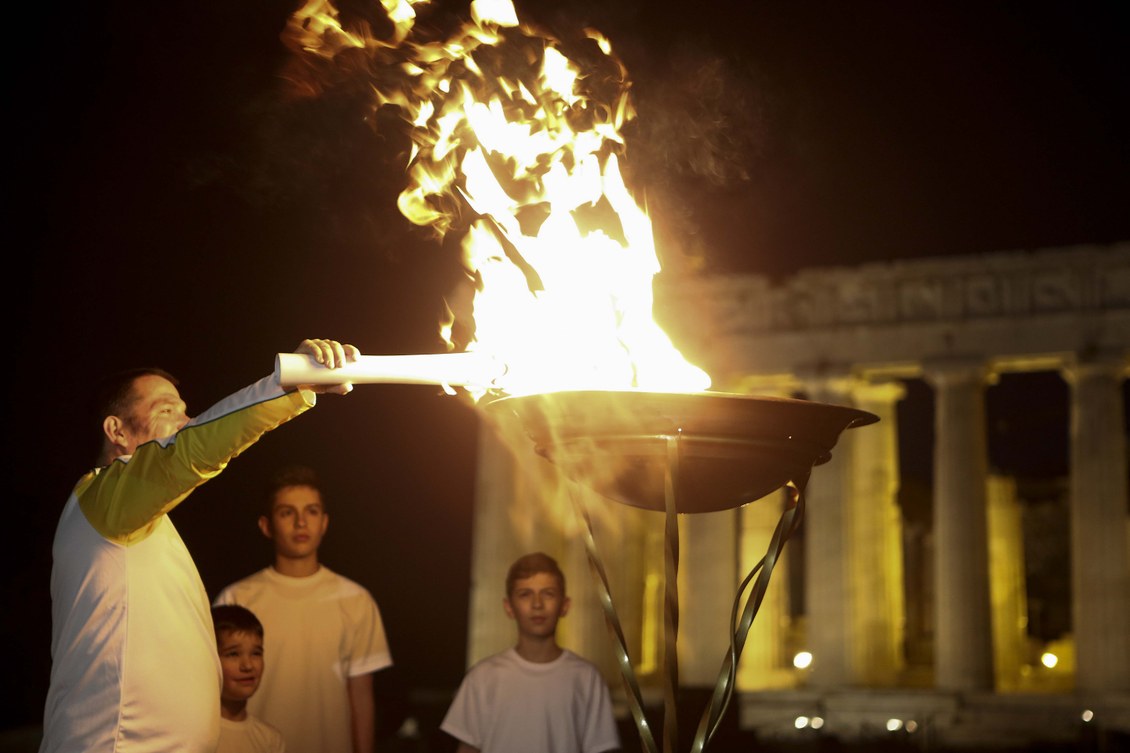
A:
{"points": [[1007, 308], [1011, 284]]}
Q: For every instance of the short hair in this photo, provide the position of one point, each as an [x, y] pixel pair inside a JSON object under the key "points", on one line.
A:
{"points": [[115, 392], [529, 565], [291, 475], [114, 395], [232, 618]]}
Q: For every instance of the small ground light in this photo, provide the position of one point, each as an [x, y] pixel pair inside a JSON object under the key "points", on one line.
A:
{"points": [[817, 722], [1087, 715], [800, 722], [894, 725], [1048, 659], [911, 726], [802, 660]]}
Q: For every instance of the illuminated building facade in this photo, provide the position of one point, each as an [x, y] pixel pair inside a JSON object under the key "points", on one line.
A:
{"points": [[919, 619]]}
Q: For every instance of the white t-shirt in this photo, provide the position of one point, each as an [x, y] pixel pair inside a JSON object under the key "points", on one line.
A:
{"points": [[249, 735], [317, 633], [509, 705]]}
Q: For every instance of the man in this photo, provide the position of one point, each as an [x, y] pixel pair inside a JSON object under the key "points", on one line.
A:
{"points": [[327, 637], [134, 663]]}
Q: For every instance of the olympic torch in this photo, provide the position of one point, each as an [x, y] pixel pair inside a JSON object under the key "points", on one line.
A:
{"points": [[446, 369]]}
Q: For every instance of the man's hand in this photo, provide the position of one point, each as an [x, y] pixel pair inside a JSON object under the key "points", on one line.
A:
{"points": [[332, 355]]}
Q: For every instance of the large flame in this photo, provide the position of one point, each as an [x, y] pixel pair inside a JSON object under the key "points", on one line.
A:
{"points": [[515, 146]]}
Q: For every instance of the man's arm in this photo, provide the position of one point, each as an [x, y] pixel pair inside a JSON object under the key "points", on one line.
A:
{"points": [[362, 713], [123, 500]]}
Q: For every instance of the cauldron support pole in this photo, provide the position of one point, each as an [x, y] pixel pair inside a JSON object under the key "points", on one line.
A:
{"points": [[671, 597]]}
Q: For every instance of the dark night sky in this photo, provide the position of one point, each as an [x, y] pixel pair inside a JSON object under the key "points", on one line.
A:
{"points": [[170, 210]]}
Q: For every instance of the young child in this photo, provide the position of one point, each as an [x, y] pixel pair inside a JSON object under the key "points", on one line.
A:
{"points": [[536, 697], [239, 641]]}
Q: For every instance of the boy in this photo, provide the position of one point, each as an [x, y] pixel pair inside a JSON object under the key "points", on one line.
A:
{"points": [[327, 637], [239, 641], [536, 697]]}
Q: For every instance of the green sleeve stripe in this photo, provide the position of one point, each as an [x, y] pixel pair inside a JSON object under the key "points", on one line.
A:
{"points": [[126, 499]]}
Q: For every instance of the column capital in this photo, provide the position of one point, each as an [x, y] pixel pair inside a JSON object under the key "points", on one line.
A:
{"points": [[950, 372], [884, 391], [1102, 364], [777, 385], [831, 383]]}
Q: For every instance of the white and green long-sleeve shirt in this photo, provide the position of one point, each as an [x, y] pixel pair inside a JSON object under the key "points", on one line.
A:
{"points": [[134, 663]]}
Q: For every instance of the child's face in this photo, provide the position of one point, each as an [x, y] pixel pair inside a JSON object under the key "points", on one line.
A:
{"points": [[241, 658], [536, 604], [297, 522]]}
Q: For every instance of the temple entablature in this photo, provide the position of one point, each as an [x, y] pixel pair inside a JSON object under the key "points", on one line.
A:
{"points": [[1018, 311]]}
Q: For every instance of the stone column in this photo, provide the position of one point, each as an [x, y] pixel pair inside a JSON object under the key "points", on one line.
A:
{"points": [[495, 543], [707, 586], [765, 663], [825, 544], [654, 583], [634, 569], [523, 503], [583, 630], [875, 581], [1006, 582], [963, 650], [1100, 570]]}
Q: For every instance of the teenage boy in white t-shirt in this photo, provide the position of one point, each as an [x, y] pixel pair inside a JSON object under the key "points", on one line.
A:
{"points": [[535, 697], [327, 636]]}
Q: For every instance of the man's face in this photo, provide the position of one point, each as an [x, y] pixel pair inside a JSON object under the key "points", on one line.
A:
{"points": [[297, 522], [241, 659], [536, 604], [157, 411]]}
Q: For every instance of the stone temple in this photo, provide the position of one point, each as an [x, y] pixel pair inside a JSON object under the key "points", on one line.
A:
{"points": [[980, 604]]}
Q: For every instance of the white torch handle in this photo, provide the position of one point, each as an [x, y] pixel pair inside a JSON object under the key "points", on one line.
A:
{"points": [[453, 369]]}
